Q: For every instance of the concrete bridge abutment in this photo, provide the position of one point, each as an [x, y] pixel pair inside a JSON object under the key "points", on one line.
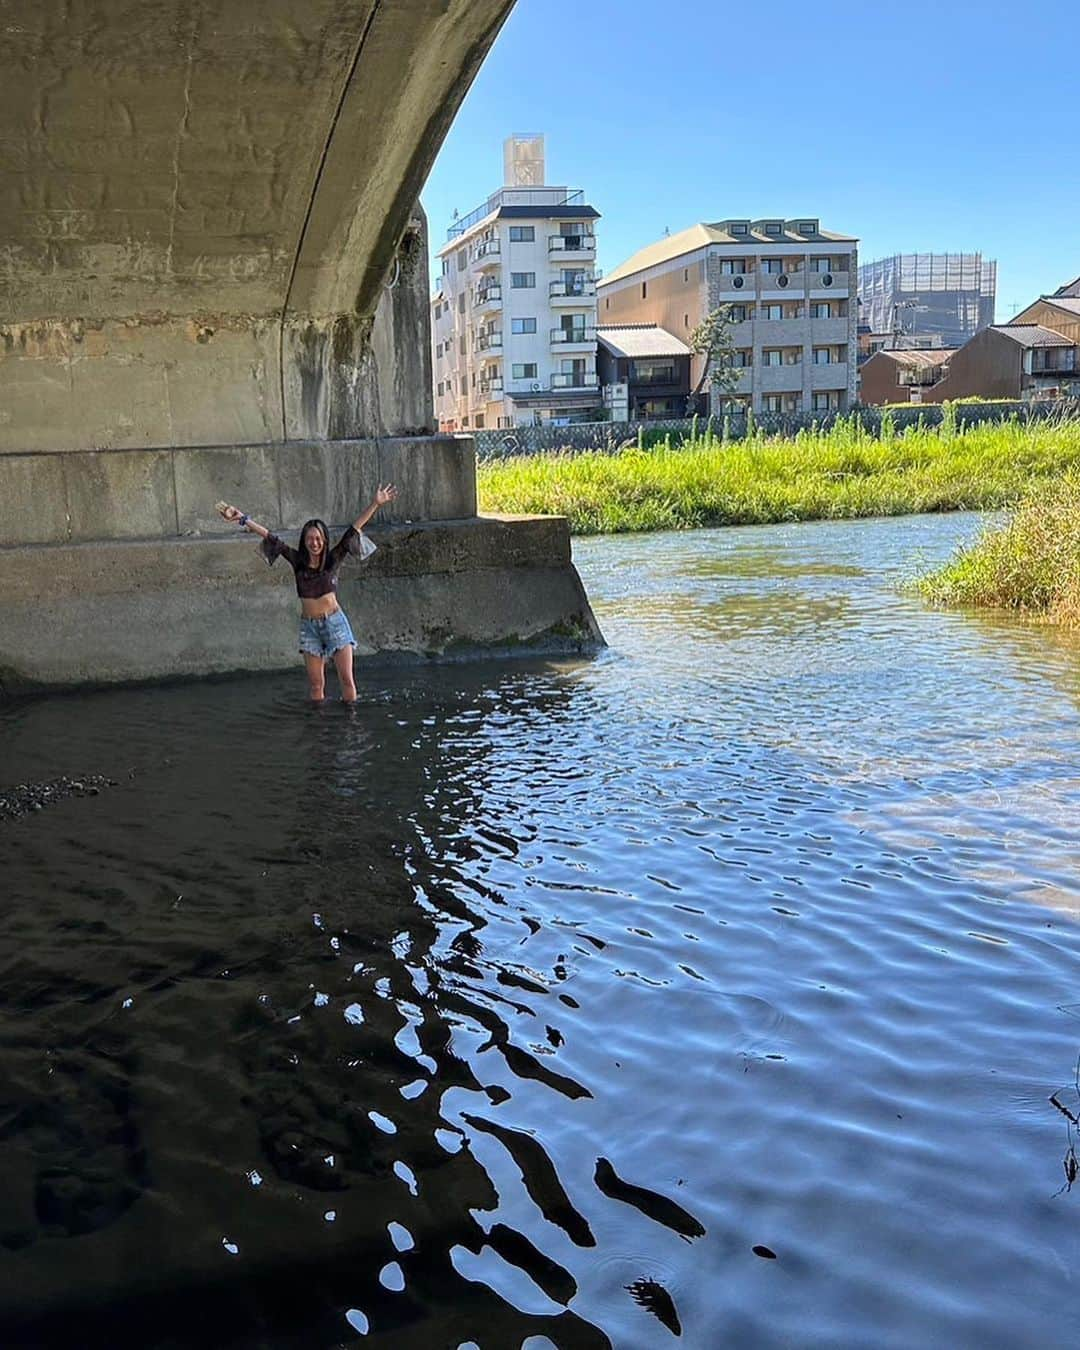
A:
{"points": [[214, 285]]}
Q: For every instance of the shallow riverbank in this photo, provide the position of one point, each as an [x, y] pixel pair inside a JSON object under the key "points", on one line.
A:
{"points": [[1030, 564], [843, 473]]}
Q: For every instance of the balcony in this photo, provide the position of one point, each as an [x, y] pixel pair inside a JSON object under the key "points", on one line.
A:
{"points": [[832, 376], [488, 298], [584, 337], [586, 380], [572, 245], [829, 332], [492, 388], [783, 379], [742, 283], [489, 341], [570, 292]]}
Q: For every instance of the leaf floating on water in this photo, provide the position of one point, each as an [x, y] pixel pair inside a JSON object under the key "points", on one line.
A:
{"points": [[653, 1297], [766, 1252], [654, 1206]]}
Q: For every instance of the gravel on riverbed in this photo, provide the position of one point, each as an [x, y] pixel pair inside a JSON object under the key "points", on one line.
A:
{"points": [[24, 798]]}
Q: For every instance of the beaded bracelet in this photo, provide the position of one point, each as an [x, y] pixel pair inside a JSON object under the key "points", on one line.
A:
{"points": [[243, 520]]}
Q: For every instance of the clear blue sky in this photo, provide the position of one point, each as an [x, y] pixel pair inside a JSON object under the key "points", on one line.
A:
{"points": [[918, 127]]}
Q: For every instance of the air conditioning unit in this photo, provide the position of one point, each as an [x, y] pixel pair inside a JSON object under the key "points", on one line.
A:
{"points": [[782, 280], [826, 279], [536, 386], [737, 283]]}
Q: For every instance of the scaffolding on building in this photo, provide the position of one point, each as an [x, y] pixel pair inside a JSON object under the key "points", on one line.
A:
{"points": [[924, 299]]}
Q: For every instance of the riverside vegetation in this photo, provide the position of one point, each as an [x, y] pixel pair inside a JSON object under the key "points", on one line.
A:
{"points": [[842, 472], [1030, 564]]}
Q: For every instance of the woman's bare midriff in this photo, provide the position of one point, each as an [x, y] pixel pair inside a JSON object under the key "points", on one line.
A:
{"points": [[319, 607]]}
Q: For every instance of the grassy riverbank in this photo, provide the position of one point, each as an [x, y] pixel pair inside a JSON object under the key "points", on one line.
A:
{"points": [[840, 473], [1030, 564]]}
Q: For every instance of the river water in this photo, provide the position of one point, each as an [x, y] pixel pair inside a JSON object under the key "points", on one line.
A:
{"points": [[709, 993]]}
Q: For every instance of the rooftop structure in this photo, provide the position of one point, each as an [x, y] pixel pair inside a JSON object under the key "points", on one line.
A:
{"points": [[916, 296]]}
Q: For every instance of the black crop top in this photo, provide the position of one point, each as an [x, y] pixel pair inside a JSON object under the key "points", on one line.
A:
{"points": [[310, 585]]}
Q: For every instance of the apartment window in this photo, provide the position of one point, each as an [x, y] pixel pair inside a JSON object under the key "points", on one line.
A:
{"points": [[461, 303], [825, 400], [479, 421], [464, 421], [738, 227], [523, 370], [772, 227], [472, 378], [686, 320], [445, 266], [523, 325], [644, 289], [741, 357], [792, 356], [441, 387], [732, 267], [821, 309], [772, 312], [464, 386], [821, 265], [462, 259], [822, 356], [461, 345], [522, 234], [738, 313], [772, 403], [808, 227], [772, 356], [522, 281], [607, 302], [772, 265], [685, 275]]}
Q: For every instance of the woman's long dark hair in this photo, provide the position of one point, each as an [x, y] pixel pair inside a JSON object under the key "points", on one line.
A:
{"points": [[302, 553]]}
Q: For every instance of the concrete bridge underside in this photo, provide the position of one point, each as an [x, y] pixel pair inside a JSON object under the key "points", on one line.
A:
{"points": [[213, 283]]}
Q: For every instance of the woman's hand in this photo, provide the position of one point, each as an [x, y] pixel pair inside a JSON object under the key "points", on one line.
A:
{"points": [[231, 513], [385, 495]]}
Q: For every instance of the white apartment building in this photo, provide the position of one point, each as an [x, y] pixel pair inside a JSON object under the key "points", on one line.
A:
{"points": [[792, 289], [513, 318]]}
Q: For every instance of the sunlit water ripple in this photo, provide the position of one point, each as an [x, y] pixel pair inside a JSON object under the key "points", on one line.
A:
{"points": [[709, 993]]}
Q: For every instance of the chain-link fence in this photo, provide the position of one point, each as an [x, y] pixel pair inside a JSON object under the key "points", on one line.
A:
{"points": [[611, 437]]}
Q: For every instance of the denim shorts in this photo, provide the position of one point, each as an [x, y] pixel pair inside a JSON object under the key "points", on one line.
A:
{"points": [[324, 637]]}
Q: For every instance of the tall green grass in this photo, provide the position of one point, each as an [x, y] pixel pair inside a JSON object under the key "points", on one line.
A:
{"points": [[844, 472], [1030, 564]]}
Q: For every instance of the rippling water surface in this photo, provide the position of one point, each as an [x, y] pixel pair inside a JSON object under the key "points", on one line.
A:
{"points": [[710, 993]]}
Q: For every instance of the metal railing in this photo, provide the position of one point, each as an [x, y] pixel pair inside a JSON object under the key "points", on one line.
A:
{"points": [[488, 249], [572, 380], [515, 197], [572, 289], [488, 341], [559, 335], [494, 386], [572, 243], [489, 295]]}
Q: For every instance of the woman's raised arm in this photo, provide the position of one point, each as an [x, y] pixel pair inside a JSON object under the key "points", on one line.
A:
{"points": [[383, 497]]}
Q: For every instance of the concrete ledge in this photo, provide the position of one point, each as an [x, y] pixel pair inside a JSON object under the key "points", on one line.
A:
{"points": [[132, 610], [75, 496]]}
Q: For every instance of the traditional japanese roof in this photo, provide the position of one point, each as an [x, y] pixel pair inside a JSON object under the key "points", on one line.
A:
{"points": [[915, 358], [1032, 335], [640, 340]]}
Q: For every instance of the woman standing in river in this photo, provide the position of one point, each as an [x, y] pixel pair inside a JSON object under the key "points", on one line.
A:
{"points": [[324, 630]]}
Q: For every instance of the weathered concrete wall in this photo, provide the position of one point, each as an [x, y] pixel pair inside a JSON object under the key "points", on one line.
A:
{"points": [[140, 610], [202, 203], [78, 496]]}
